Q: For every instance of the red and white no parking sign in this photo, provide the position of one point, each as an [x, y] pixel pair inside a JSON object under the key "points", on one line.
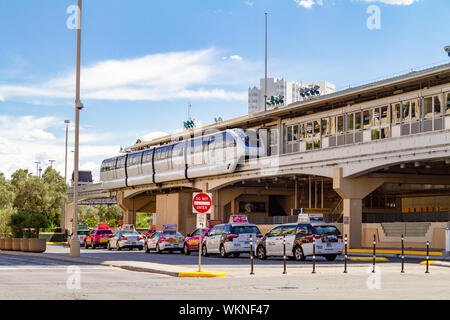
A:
{"points": [[201, 202]]}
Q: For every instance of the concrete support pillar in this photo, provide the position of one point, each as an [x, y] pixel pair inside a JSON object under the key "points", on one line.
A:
{"points": [[352, 192]]}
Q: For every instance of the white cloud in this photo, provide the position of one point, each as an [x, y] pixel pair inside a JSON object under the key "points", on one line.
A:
{"points": [[156, 77], [308, 3], [26, 139], [236, 57], [249, 3], [393, 2]]}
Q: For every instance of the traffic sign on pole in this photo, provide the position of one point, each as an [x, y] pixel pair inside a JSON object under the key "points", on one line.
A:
{"points": [[201, 220], [201, 202]]}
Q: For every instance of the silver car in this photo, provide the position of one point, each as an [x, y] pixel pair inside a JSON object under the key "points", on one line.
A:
{"points": [[168, 240], [126, 239]]}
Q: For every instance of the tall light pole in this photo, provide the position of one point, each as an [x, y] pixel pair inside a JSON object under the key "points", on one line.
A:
{"points": [[75, 242], [37, 168], [265, 76], [51, 163], [67, 139]]}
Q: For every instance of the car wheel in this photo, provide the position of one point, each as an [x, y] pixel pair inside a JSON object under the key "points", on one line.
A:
{"points": [[158, 249], [118, 247], [236, 254], [204, 251], [330, 257], [298, 254], [85, 245], [109, 246], [186, 250], [93, 245], [141, 248], [223, 253], [261, 253], [146, 248]]}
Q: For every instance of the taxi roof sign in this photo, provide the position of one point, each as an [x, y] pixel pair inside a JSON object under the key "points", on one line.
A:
{"points": [[169, 227], [103, 226], [238, 219]]}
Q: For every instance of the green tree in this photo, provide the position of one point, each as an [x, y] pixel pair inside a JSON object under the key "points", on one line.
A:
{"points": [[5, 218], [6, 193]]}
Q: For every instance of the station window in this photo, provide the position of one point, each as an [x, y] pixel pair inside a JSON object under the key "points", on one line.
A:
{"points": [[333, 125], [396, 113], [273, 141], [350, 121], [428, 107], [366, 119], [302, 131], [292, 133], [375, 119], [385, 119], [358, 120], [415, 112], [406, 115], [324, 126], [316, 128], [340, 124], [309, 129], [447, 108], [437, 102]]}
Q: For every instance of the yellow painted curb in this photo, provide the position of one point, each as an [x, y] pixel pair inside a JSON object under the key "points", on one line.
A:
{"points": [[196, 274], [367, 259], [429, 262], [56, 242], [418, 253]]}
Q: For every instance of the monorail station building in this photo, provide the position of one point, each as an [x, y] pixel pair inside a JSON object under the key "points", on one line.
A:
{"points": [[374, 159]]}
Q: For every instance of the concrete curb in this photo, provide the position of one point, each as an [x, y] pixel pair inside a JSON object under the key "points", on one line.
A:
{"points": [[161, 270], [395, 255]]}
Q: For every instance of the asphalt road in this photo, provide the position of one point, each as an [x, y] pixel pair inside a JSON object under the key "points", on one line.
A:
{"points": [[34, 278]]}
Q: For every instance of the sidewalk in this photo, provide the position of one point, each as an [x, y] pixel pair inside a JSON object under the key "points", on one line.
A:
{"points": [[170, 270]]}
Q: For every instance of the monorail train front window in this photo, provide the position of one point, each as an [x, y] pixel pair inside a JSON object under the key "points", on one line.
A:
{"points": [[230, 142]]}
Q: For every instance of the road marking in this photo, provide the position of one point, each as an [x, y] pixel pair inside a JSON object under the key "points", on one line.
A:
{"points": [[367, 259]]}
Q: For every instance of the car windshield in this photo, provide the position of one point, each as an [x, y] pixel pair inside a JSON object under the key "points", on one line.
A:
{"points": [[245, 229], [328, 230], [169, 233], [131, 233], [100, 232], [83, 232]]}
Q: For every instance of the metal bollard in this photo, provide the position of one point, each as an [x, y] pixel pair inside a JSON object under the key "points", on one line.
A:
{"points": [[374, 253], [284, 254], [403, 255], [251, 255], [314, 255], [428, 256], [345, 254]]}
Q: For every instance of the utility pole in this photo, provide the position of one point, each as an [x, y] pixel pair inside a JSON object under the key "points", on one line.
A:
{"points": [[265, 76], [67, 139], [75, 242], [51, 163], [37, 168]]}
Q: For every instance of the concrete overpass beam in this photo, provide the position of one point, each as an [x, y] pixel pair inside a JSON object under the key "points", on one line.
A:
{"points": [[352, 191]]}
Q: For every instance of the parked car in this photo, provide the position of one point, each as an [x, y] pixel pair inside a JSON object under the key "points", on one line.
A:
{"points": [[167, 240], [98, 237], [126, 239], [192, 239], [230, 238], [299, 239]]}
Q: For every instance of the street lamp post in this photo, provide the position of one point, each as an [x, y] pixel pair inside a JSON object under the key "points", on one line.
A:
{"points": [[67, 139], [37, 168], [51, 163], [75, 242]]}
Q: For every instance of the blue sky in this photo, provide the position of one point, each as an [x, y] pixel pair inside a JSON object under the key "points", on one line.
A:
{"points": [[144, 61]]}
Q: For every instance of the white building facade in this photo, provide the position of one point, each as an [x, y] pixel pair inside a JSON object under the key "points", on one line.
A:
{"points": [[281, 87]]}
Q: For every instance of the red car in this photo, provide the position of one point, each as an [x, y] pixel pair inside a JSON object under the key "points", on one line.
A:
{"points": [[98, 237], [191, 240]]}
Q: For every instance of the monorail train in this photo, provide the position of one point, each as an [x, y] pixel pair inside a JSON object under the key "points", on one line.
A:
{"points": [[211, 154]]}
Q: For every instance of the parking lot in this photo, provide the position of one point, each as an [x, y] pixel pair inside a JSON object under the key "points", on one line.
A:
{"points": [[35, 278]]}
